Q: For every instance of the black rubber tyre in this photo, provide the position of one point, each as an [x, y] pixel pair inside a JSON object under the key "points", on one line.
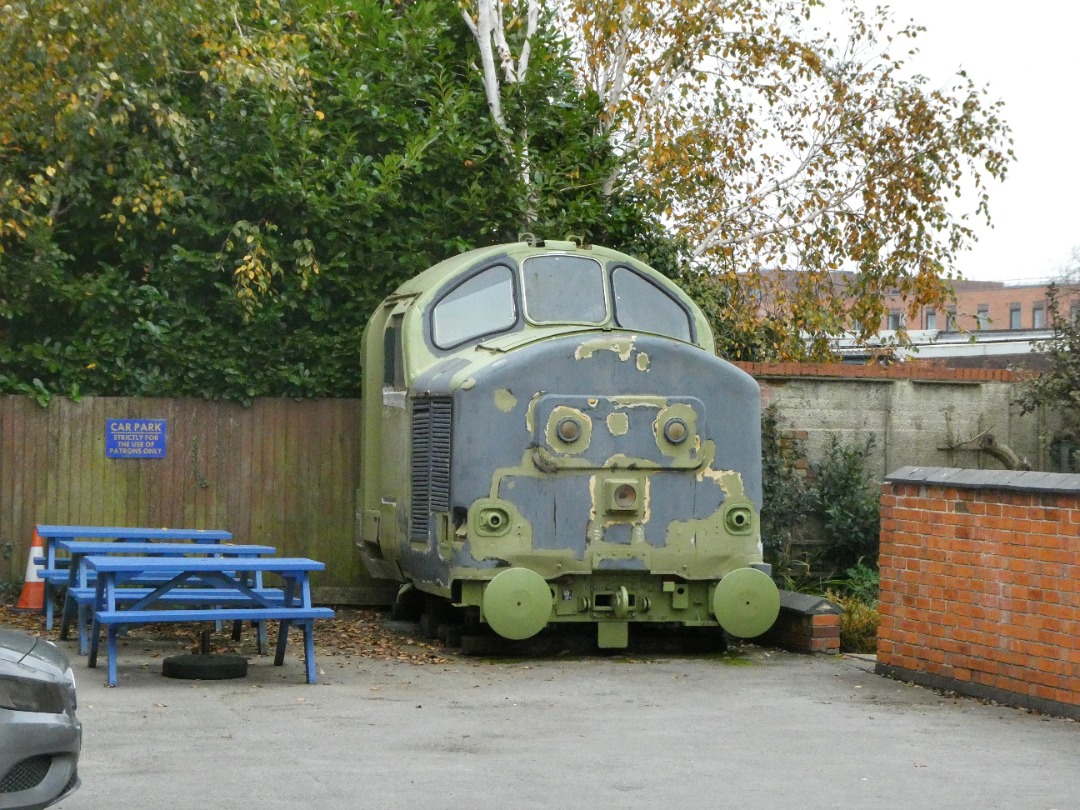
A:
{"points": [[204, 667]]}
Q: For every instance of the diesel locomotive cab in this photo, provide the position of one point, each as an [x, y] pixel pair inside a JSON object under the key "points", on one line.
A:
{"points": [[549, 437]]}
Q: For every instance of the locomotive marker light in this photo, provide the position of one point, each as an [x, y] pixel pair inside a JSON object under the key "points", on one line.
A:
{"points": [[625, 496], [622, 496], [568, 430], [675, 431]]}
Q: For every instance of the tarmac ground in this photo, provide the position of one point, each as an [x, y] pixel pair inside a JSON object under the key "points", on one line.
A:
{"points": [[752, 727]]}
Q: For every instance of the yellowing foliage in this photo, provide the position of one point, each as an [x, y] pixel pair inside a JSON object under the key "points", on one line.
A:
{"points": [[781, 154]]}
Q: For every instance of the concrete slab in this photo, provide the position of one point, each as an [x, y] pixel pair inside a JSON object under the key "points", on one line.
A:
{"points": [[755, 729]]}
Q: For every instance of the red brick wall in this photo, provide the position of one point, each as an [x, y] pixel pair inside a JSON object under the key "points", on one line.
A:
{"points": [[805, 628], [980, 591], [924, 370]]}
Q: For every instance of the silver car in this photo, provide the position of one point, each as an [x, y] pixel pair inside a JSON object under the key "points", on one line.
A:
{"points": [[40, 736]]}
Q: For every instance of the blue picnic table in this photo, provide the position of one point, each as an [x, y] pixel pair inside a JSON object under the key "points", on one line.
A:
{"points": [[54, 573], [79, 593], [246, 603]]}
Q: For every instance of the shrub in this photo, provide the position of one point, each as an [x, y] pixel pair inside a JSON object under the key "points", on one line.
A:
{"points": [[858, 623], [786, 500], [862, 583], [857, 594], [848, 505]]}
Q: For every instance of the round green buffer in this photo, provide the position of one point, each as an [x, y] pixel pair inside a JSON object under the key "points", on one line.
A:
{"points": [[746, 602], [517, 603]]}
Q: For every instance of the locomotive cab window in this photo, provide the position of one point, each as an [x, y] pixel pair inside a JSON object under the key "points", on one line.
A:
{"points": [[564, 289], [394, 355], [481, 305], [642, 305]]}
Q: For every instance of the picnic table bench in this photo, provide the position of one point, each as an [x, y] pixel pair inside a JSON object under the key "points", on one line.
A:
{"points": [[54, 570], [112, 611], [80, 591]]}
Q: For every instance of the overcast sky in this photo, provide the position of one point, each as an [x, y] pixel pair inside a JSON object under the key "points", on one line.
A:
{"points": [[1029, 57]]}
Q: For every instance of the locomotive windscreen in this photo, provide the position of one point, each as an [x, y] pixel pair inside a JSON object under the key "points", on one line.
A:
{"points": [[640, 304], [478, 306], [564, 289]]}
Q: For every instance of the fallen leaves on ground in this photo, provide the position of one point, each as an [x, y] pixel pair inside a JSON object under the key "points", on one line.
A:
{"points": [[358, 632], [362, 632]]}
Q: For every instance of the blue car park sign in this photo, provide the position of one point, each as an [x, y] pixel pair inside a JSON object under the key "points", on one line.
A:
{"points": [[135, 438]]}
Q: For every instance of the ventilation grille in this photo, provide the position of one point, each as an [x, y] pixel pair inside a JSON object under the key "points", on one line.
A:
{"points": [[431, 424], [27, 774]]}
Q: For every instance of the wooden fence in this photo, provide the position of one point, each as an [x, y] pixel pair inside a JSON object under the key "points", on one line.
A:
{"points": [[281, 472]]}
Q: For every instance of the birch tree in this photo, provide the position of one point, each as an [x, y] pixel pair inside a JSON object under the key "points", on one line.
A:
{"points": [[489, 22], [780, 154]]}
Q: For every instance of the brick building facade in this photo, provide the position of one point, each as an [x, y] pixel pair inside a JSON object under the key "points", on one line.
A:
{"points": [[985, 305]]}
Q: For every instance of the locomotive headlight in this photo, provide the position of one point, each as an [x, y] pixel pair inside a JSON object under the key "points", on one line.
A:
{"points": [[623, 495], [568, 429], [675, 431]]}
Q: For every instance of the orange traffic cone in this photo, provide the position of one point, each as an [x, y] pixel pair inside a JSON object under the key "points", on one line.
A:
{"points": [[33, 592]]}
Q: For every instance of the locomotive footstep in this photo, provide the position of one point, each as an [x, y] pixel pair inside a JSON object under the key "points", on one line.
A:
{"points": [[482, 645], [429, 626], [450, 634]]}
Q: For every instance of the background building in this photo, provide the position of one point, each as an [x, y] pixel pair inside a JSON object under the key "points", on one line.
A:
{"points": [[985, 305]]}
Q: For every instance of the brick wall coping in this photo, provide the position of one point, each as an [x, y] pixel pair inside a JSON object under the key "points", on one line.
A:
{"points": [[806, 604], [919, 371], [1017, 480]]}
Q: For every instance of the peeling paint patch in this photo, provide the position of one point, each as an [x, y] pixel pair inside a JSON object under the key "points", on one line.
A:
{"points": [[642, 361], [640, 402], [618, 424], [505, 401], [730, 481], [530, 412], [622, 347]]}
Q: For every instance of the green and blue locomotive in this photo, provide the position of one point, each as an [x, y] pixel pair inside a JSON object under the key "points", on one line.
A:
{"points": [[550, 437]]}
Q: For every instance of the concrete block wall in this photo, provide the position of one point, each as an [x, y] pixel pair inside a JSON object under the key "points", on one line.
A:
{"points": [[980, 584], [917, 413]]}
